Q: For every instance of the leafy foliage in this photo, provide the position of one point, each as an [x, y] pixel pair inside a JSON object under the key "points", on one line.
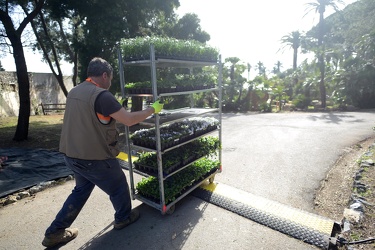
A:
{"points": [[176, 184], [181, 82], [139, 48], [188, 27], [345, 77], [176, 158], [94, 28]]}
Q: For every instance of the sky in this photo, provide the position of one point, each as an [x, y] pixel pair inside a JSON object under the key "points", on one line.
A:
{"points": [[252, 30], [249, 30]]}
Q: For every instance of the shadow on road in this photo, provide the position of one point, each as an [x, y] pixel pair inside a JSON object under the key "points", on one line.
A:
{"points": [[153, 230], [335, 118]]}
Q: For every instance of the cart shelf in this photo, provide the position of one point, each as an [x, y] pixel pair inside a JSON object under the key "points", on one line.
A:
{"points": [[172, 93], [166, 207], [175, 63], [179, 144], [154, 172], [178, 115]]}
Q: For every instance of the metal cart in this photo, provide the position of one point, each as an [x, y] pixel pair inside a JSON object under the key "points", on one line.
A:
{"points": [[173, 116]]}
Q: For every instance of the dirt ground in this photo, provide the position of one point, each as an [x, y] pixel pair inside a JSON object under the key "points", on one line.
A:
{"points": [[334, 195]]}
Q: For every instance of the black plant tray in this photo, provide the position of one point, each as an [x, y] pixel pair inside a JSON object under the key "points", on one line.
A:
{"points": [[178, 115], [152, 145], [148, 91], [185, 58], [171, 144], [164, 61], [153, 171]]}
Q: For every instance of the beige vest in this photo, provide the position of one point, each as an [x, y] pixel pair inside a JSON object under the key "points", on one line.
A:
{"points": [[83, 136]]}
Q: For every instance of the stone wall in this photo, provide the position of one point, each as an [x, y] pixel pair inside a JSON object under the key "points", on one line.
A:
{"points": [[44, 88]]}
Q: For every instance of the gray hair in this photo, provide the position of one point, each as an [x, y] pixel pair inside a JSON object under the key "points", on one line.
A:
{"points": [[98, 66]]}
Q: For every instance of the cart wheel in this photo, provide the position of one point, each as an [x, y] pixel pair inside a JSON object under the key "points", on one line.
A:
{"points": [[211, 179], [171, 210]]}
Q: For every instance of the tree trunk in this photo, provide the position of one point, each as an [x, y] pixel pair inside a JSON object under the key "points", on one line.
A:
{"points": [[295, 54], [239, 98], [137, 103], [321, 52], [75, 69], [60, 80], [322, 86], [14, 37], [22, 129]]}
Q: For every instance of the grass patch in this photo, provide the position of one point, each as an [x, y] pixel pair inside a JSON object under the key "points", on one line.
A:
{"points": [[364, 194], [44, 132], [355, 236]]}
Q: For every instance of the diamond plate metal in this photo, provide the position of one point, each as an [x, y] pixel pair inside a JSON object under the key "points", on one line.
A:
{"points": [[310, 228]]}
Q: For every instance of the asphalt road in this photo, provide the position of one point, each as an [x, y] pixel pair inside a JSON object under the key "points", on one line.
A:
{"points": [[282, 157]]}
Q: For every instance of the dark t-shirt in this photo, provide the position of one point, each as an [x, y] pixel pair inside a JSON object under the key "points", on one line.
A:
{"points": [[106, 104]]}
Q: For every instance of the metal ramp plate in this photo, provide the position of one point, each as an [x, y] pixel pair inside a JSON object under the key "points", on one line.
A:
{"points": [[310, 228]]}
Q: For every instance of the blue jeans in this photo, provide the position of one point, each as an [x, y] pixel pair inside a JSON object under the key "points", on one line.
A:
{"points": [[108, 176]]}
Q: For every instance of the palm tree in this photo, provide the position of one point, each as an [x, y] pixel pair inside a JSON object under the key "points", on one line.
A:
{"points": [[248, 71], [320, 7], [277, 68], [261, 69], [293, 40]]}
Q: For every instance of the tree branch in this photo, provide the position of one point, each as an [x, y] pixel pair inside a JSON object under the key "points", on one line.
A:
{"points": [[30, 16]]}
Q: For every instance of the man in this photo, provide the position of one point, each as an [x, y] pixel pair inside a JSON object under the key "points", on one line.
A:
{"points": [[89, 142]]}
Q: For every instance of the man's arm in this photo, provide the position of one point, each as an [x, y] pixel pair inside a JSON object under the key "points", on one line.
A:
{"points": [[131, 118]]}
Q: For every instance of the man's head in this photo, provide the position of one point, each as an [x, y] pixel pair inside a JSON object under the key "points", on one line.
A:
{"points": [[100, 71]]}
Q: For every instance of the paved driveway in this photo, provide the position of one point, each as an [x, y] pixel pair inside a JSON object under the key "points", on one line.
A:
{"points": [[284, 157]]}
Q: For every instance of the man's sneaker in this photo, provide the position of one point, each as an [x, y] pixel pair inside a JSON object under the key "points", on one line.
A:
{"points": [[134, 215], [60, 237]]}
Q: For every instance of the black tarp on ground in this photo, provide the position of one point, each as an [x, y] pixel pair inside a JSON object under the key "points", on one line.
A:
{"points": [[29, 167]]}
